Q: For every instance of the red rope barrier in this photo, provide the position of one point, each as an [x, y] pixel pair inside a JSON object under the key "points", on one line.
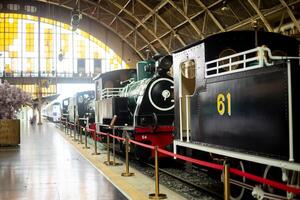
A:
{"points": [[101, 133], [142, 144], [117, 137], [192, 160], [274, 184], [258, 179]]}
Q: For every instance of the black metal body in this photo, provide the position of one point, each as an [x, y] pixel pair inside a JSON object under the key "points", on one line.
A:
{"points": [[258, 123], [106, 108], [65, 111], [145, 114], [119, 107], [83, 105], [141, 112]]}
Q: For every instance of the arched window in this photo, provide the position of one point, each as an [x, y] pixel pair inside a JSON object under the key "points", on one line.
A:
{"points": [[31, 46]]}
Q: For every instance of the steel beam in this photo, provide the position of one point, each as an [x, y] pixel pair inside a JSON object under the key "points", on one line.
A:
{"points": [[102, 23], [187, 18], [126, 4], [154, 13], [211, 15], [292, 16], [148, 16], [235, 26], [262, 17], [184, 22], [124, 22], [142, 24], [270, 12]]}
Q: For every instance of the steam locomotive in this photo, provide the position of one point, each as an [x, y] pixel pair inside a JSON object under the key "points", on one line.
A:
{"points": [[236, 98], [142, 100], [80, 106]]}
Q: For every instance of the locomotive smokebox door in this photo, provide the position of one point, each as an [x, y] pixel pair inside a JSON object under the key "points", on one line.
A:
{"points": [[161, 94]]}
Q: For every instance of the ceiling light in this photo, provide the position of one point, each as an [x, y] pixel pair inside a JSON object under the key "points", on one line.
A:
{"points": [[75, 19], [224, 6]]}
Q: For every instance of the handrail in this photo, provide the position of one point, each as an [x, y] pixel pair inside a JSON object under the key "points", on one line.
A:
{"points": [[243, 61], [248, 61], [110, 92]]}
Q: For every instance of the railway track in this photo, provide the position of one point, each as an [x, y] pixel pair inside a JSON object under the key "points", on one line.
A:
{"points": [[194, 184], [201, 188]]}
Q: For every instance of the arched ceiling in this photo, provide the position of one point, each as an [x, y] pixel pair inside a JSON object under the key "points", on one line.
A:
{"points": [[161, 26]]}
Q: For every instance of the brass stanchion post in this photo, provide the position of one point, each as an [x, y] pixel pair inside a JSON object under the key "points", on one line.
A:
{"points": [[112, 123], [114, 151], [85, 138], [127, 173], [226, 182], [108, 161], [95, 143], [80, 134], [157, 195], [65, 124], [68, 128], [75, 130]]}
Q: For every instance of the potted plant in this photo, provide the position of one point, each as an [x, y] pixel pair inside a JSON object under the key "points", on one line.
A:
{"points": [[11, 101]]}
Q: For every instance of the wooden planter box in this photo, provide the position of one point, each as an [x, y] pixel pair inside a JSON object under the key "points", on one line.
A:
{"points": [[9, 132]]}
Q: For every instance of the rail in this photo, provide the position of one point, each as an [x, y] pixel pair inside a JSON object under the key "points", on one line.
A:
{"points": [[255, 178], [110, 92]]}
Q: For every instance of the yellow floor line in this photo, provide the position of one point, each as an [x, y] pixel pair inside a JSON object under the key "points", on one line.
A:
{"points": [[117, 180], [136, 187]]}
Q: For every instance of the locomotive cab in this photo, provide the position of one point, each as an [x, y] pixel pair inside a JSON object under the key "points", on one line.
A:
{"points": [[236, 96]]}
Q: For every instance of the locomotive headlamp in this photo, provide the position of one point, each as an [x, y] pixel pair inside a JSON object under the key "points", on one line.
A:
{"points": [[165, 62]]}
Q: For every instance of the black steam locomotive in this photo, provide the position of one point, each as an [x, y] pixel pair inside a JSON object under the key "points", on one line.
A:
{"points": [[142, 101], [80, 106], [237, 98]]}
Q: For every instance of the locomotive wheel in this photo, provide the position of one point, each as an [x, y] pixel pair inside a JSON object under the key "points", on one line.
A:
{"points": [[273, 173], [237, 192]]}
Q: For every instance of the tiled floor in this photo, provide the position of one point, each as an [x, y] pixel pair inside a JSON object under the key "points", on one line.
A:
{"points": [[46, 166]]}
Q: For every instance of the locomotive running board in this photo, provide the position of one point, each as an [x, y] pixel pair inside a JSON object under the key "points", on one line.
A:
{"points": [[243, 156]]}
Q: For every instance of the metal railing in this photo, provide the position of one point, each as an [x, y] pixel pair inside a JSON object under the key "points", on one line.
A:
{"points": [[110, 92], [243, 61]]}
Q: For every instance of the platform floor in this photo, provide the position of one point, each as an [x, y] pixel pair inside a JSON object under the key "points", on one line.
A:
{"points": [[47, 166]]}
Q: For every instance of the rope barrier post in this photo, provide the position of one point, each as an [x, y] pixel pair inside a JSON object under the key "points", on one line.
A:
{"points": [[66, 127], [75, 129], [80, 134], [226, 182], [70, 130], [127, 173], [114, 151], [157, 195], [95, 143], [112, 124], [108, 161], [85, 138]]}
